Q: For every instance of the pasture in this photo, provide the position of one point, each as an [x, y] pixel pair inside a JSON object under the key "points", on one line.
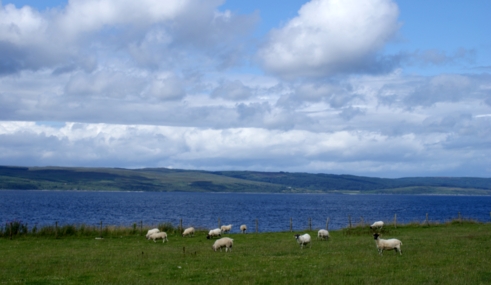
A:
{"points": [[450, 253]]}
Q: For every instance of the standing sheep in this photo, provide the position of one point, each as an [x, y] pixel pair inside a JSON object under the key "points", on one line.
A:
{"points": [[162, 235], [214, 233], [323, 234], [189, 231], [150, 232], [225, 242], [243, 229], [387, 244], [226, 229], [303, 240], [378, 225]]}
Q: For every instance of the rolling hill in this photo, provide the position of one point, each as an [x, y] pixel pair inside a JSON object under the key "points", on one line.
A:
{"points": [[165, 180]]}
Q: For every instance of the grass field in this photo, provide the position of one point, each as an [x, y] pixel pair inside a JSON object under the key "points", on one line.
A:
{"points": [[451, 253]]}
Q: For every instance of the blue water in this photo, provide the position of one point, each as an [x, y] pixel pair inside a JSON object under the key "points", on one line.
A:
{"points": [[273, 211]]}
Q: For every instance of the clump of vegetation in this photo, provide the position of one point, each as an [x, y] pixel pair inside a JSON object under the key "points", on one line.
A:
{"points": [[18, 228], [14, 228]]}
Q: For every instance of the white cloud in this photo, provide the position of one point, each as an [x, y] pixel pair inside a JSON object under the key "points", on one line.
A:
{"points": [[370, 153], [329, 37]]}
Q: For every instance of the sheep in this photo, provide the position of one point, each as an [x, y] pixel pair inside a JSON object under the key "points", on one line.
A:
{"points": [[150, 232], [213, 233], [303, 240], [188, 231], [378, 224], [225, 242], [387, 244], [243, 229], [323, 234], [162, 235], [226, 229]]}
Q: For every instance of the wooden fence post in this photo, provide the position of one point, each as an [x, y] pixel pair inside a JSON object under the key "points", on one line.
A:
{"points": [[327, 223], [349, 219], [10, 230], [100, 229], [362, 221], [219, 223], [395, 221], [141, 227], [256, 225], [180, 226], [56, 229], [291, 225], [427, 222], [460, 218], [310, 224]]}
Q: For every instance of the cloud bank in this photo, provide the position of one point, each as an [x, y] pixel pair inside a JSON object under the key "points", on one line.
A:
{"points": [[187, 84]]}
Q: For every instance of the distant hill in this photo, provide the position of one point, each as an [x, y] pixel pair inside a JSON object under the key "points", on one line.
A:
{"points": [[166, 180]]}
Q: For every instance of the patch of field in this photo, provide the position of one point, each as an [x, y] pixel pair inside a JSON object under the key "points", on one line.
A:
{"points": [[451, 253]]}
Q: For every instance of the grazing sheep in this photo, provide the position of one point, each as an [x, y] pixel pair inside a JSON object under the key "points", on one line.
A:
{"points": [[323, 234], [225, 242], [378, 224], [214, 233], [303, 240], [387, 244], [188, 231], [243, 229], [150, 232], [162, 235], [226, 229]]}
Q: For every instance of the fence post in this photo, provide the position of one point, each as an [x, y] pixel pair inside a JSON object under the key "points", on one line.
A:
{"points": [[101, 229], [10, 230], [180, 226], [291, 225], [141, 227], [427, 223], [256, 225], [310, 224], [219, 223], [327, 223], [362, 221], [395, 221], [349, 219], [460, 218], [56, 229]]}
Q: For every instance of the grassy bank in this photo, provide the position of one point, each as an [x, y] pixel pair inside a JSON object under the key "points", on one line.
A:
{"points": [[450, 253]]}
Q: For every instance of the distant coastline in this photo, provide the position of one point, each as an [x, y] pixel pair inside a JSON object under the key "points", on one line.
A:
{"points": [[180, 180]]}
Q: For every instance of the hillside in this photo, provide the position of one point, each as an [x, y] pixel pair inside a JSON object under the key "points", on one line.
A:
{"points": [[163, 179]]}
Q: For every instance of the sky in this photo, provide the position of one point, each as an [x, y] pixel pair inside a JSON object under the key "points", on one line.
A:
{"points": [[379, 88]]}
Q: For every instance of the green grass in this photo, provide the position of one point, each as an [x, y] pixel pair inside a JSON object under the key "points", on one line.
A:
{"points": [[450, 253]]}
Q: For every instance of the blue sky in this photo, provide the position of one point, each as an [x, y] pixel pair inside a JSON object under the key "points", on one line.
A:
{"points": [[378, 88]]}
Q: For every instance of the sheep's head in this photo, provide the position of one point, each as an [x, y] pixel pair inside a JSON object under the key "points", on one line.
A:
{"points": [[296, 236], [375, 236], [208, 236]]}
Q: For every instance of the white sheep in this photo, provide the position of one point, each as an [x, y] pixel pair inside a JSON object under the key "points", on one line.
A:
{"points": [[225, 242], [387, 244], [162, 235], [226, 229], [188, 231], [150, 232], [378, 225], [243, 229], [323, 234], [303, 240], [214, 233]]}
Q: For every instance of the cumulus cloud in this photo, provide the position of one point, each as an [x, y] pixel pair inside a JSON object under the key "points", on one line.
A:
{"points": [[329, 37], [235, 148], [177, 84]]}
